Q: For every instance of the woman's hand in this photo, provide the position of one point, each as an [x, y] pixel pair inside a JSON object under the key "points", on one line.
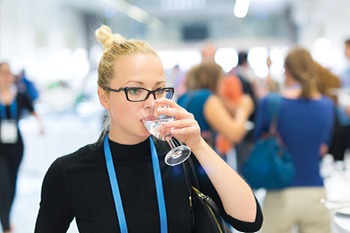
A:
{"points": [[184, 128], [323, 149]]}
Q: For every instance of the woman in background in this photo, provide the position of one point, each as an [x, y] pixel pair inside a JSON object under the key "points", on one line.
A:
{"points": [[12, 105], [305, 124], [214, 113]]}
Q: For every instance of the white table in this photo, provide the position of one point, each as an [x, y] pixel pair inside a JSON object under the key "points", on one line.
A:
{"points": [[341, 222]]}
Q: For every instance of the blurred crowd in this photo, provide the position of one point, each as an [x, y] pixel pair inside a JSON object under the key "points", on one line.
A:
{"points": [[229, 107]]}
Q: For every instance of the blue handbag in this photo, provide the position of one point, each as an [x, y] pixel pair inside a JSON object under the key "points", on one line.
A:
{"points": [[269, 165]]}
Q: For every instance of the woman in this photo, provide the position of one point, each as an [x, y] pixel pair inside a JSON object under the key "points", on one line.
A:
{"points": [[215, 113], [77, 185], [305, 124], [12, 105]]}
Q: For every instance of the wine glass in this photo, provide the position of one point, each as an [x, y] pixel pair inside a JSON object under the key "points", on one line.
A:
{"points": [[153, 123]]}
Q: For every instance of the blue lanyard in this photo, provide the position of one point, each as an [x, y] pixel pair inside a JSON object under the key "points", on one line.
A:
{"points": [[116, 193], [13, 111]]}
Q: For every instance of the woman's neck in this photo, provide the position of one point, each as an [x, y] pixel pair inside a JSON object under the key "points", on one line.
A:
{"points": [[291, 89]]}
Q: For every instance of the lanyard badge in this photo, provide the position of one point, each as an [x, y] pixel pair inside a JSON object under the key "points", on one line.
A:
{"points": [[9, 131]]}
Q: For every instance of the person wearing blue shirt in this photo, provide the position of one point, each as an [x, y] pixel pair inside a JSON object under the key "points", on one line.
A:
{"points": [[305, 124]]}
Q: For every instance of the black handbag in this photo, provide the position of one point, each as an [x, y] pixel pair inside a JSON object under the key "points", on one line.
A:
{"points": [[205, 212]]}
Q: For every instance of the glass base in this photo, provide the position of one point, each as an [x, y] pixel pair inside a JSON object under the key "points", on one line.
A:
{"points": [[177, 155]]}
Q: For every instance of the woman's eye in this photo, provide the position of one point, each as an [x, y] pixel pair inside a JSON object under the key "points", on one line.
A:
{"points": [[134, 91], [160, 91]]}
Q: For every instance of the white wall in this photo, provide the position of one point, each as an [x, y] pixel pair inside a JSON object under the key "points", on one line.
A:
{"points": [[39, 35], [43, 36], [328, 19]]}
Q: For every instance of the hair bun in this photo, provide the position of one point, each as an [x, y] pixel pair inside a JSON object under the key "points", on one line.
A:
{"points": [[105, 36]]}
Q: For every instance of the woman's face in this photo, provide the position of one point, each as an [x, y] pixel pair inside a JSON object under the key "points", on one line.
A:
{"points": [[140, 70], [6, 77]]}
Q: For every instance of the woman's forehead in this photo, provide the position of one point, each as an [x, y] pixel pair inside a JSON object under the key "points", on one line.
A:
{"points": [[140, 68], [4, 66], [138, 61]]}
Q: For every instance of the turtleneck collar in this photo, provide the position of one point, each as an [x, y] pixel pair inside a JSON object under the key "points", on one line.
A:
{"points": [[128, 153]]}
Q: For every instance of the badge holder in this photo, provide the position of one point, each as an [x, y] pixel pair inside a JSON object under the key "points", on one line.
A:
{"points": [[9, 132]]}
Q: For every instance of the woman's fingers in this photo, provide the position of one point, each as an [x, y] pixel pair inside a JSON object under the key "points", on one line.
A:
{"points": [[174, 109], [184, 128]]}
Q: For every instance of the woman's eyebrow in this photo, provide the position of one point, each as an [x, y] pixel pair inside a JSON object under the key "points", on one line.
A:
{"points": [[142, 83]]}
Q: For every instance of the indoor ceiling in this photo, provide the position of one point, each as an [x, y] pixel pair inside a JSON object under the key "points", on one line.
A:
{"points": [[185, 8], [200, 18]]}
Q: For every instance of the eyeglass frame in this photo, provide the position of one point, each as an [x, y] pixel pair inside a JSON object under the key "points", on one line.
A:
{"points": [[125, 89]]}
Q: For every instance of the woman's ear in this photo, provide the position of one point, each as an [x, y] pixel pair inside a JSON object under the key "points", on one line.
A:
{"points": [[103, 97]]}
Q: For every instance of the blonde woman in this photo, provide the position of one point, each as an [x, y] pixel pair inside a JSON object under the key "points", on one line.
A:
{"points": [[131, 79]]}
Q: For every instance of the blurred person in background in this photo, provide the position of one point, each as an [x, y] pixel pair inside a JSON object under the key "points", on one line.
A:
{"points": [[213, 114], [146, 194], [341, 140], [247, 78], [28, 86], [345, 77], [327, 84], [208, 51], [246, 75], [230, 91], [268, 84], [304, 124], [12, 105]]}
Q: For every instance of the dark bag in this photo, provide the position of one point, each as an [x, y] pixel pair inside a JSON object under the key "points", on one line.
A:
{"points": [[269, 165], [205, 212]]}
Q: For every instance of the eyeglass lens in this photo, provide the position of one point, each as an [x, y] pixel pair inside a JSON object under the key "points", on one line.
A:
{"points": [[139, 94]]}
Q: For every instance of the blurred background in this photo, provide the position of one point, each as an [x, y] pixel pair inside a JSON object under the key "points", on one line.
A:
{"points": [[54, 42]]}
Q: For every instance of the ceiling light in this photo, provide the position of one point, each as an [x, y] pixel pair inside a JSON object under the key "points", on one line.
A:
{"points": [[241, 8]]}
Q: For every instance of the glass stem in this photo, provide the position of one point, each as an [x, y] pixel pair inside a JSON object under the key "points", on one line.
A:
{"points": [[171, 143]]}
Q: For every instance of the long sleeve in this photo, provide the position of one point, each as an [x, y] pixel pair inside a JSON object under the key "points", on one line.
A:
{"points": [[54, 214]]}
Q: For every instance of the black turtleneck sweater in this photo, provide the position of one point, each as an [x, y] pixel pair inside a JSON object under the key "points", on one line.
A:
{"points": [[77, 186]]}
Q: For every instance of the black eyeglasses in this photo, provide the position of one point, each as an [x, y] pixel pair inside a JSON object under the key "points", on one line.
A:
{"points": [[139, 94]]}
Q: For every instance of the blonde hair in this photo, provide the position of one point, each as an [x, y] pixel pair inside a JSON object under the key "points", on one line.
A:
{"points": [[115, 46], [302, 68]]}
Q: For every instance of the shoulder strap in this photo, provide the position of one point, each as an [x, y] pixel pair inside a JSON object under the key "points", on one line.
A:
{"points": [[274, 105], [189, 173], [274, 101]]}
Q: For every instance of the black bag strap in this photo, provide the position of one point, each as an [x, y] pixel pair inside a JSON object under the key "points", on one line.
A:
{"points": [[190, 182], [193, 186], [191, 173]]}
